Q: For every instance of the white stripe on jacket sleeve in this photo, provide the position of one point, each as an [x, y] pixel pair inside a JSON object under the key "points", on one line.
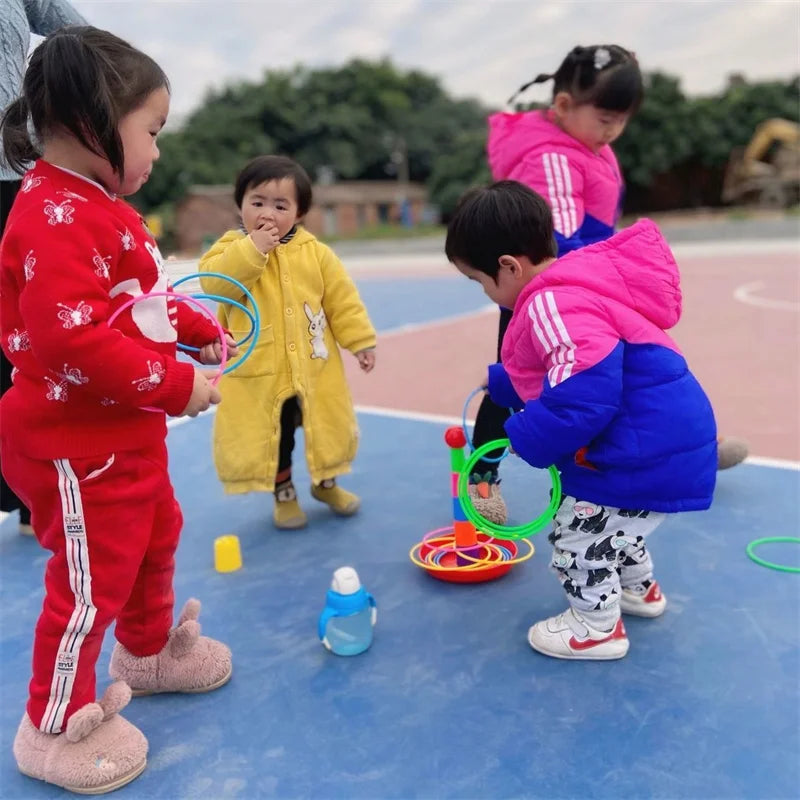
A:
{"points": [[559, 188], [549, 328]]}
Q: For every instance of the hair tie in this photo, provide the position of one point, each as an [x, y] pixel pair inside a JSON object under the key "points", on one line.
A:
{"points": [[602, 58]]}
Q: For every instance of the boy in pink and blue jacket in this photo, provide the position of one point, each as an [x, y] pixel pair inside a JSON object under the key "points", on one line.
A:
{"points": [[602, 392]]}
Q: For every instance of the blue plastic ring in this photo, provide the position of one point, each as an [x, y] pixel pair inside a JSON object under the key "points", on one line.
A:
{"points": [[466, 432], [255, 316], [220, 299]]}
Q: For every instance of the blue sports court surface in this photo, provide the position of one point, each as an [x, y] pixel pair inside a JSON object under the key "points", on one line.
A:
{"points": [[450, 701]]}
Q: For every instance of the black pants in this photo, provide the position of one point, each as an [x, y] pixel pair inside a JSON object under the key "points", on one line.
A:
{"points": [[291, 419], [8, 500], [491, 418]]}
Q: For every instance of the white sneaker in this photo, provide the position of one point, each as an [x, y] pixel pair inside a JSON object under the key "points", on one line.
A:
{"points": [[569, 636], [643, 604]]}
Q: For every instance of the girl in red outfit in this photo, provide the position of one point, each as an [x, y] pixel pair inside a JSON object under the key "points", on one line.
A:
{"points": [[76, 445]]}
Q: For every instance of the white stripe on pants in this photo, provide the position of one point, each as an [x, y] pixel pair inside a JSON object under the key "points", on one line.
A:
{"points": [[596, 551], [83, 614]]}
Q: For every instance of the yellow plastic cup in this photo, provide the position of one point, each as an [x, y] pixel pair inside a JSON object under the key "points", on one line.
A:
{"points": [[227, 553]]}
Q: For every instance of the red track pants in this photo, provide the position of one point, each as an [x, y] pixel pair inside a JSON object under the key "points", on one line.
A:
{"points": [[112, 524]]}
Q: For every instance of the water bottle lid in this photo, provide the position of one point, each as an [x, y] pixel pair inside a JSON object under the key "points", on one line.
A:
{"points": [[345, 581]]}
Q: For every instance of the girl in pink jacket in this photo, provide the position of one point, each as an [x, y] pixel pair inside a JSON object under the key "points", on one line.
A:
{"points": [[564, 154]]}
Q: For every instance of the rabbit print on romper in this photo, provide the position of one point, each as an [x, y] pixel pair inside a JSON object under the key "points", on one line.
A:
{"points": [[316, 329]]}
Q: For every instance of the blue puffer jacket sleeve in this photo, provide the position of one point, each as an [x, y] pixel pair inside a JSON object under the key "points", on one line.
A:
{"points": [[501, 389], [566, 417]]}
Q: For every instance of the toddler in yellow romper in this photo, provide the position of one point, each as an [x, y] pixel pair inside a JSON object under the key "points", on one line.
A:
{"points": [[309, 307]]}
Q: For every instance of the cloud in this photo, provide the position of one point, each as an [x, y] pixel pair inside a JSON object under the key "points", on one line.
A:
{"points": [[476, 47]]}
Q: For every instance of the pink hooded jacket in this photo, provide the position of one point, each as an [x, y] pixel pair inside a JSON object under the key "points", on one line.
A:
{"points": [[584, 189], [605, 393], [572, 315]]}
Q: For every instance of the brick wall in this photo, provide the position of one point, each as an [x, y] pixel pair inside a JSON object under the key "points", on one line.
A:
{"points": [[207, 212]]}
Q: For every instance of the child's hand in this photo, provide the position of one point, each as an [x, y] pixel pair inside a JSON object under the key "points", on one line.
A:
{"points": [[212, 353], [203, 394], [366, 359], [265, 237]]}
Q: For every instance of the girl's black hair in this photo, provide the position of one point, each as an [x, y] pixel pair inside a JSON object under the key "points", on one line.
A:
{"points": [[83, 80], [605, 75], [263, 169]]}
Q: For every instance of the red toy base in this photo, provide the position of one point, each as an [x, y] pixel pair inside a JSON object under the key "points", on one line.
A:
{"points": [[491, 571]]}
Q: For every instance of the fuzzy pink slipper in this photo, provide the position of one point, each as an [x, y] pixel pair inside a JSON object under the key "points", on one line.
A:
{"points": [[489, 502], [189, 662], [99, 751]]}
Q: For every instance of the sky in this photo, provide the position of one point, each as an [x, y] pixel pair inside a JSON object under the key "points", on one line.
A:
{"points": [[477, 48]]}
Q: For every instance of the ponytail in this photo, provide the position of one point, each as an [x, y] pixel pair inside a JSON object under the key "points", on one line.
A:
{"points": [[18, 148], [542, 77]]}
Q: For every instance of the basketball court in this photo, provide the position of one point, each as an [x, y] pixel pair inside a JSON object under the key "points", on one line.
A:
{"points": [[450, 701]]}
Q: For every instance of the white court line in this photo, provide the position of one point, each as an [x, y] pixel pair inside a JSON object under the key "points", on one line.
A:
{"points": [[443, 419], [778, 463], [734, 247], [744, 294], [412, 416], [414, 327]]}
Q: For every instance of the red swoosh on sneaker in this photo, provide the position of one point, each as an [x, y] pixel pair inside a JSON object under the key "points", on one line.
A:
{"points": [[586, 644], [653, 595]]}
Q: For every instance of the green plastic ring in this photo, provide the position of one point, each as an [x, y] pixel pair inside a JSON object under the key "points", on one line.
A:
{"points": [[505, 531], [771, 540]]}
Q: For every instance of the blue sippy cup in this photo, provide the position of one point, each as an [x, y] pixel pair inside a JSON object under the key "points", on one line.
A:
{"points": [[346, 622]]}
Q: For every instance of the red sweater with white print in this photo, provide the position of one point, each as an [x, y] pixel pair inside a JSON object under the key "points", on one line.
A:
{"points": [[70, 255]]}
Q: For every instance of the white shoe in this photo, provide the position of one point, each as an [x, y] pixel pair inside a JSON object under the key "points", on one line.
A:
{"points": [[568, 635], [643, 604]]}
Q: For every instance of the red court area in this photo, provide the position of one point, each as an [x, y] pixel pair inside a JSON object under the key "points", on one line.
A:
{"points": [[740, 332]]}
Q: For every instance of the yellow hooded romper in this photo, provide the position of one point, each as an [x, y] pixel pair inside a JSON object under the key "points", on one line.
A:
{"points": [[308, 306]]}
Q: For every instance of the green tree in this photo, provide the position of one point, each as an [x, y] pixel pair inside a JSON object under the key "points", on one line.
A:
{"points": [[352, 118], [726, 121], [371, 121], [658, 136], [687, 141], [461, 167]]}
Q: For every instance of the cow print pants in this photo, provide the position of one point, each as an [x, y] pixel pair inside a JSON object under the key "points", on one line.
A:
{"points": [[599, 550]]}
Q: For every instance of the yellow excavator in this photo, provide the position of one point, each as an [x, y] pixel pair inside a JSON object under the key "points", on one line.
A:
{"points": [[767, 171]]}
